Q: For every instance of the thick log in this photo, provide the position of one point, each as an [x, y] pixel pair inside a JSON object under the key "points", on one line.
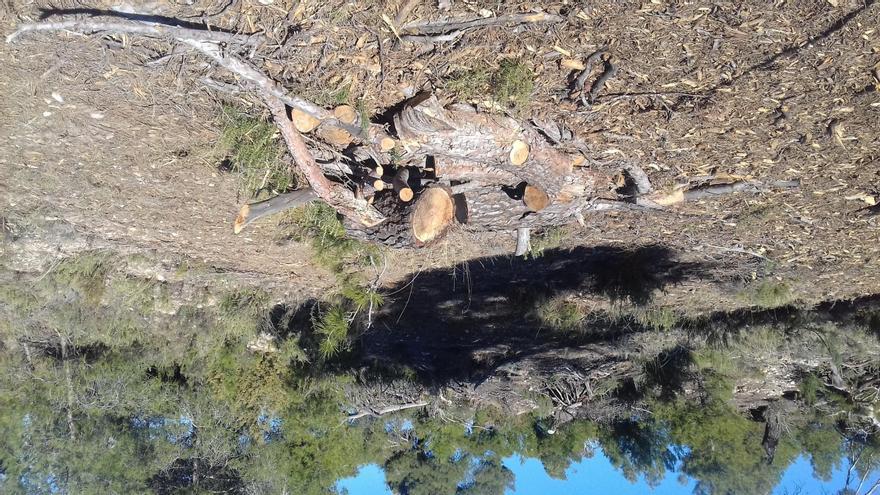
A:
{"points": [[410, 224], [282, 202], [461, 170], [347, 114], [493, 209], [303, 121], [497, 141], [535, 199], [432, 215]]}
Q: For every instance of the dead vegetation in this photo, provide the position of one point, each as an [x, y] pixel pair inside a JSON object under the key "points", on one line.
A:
{"points": [[726, 91]]}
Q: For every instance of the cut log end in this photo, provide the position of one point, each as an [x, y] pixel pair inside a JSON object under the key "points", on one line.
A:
{"points": [[387, 144], [346, 114], [535, 198], [379, 185], [434, 212], [401, 185], [335, 136], [241, 219], [519, 152], [303, 121]]}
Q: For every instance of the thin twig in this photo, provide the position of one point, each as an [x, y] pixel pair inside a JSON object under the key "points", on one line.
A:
{"points": [[610, 71], [426, 39]]}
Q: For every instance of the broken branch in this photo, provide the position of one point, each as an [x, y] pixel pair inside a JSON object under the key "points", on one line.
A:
{"points": [[138, 27], [286, 201], [523, 244], [337, 196]]}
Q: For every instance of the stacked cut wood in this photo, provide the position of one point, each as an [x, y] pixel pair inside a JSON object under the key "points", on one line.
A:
{"points": [[455, 165], [440, 165]]}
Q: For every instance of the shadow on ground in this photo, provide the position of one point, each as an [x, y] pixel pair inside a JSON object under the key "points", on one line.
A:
{"points": [[453, 323]]}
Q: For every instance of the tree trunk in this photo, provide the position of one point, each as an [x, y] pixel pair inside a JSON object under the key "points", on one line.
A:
{"points": [[71, 427]]}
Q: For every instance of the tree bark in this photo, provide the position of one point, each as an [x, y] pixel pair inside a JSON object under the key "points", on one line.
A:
{"points": [[68, 380], [523, 244], [282, 202], [430, 129]]}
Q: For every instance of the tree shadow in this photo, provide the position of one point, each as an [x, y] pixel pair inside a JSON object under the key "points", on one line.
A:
{"points": [[464, 321]]}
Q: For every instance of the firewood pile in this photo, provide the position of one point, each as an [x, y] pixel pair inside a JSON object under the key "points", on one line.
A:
{"points": [[433, 165]]}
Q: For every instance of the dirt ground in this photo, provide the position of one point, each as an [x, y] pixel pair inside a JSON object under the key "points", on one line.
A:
{"points": [[115, 138]]}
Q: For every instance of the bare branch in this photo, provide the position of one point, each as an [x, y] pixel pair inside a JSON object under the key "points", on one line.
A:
{"points": [[137, 27], [386, 410], [337, 196], [282, 202]]}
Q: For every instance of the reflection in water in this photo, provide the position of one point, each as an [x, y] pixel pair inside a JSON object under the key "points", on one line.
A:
{"points": [[107, 387], [597, 475]]}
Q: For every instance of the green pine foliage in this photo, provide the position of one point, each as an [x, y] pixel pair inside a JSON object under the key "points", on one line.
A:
{"points": [[252, 147]]}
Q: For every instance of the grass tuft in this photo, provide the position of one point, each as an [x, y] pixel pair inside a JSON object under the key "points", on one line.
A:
{"points": [[86, 273], [252, 147], [333, 249], [513, 84], [469, 85], [549, 239], [663, 319], [769, 294], [510, 86]]}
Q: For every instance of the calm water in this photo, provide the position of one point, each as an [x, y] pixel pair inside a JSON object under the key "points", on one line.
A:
{"points": [[597, 475]]}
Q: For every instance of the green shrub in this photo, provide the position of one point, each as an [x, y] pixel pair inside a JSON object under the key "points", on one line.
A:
{"points": [[242, 312], [809, 388], [559, 314], [332, 327], [253, 149]]}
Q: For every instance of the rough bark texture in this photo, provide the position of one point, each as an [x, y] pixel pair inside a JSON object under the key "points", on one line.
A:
{"points": [[251, 212], [425, 127]]}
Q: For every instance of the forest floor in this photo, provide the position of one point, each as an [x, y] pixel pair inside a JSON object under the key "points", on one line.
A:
{"points": [[116, 137]]}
